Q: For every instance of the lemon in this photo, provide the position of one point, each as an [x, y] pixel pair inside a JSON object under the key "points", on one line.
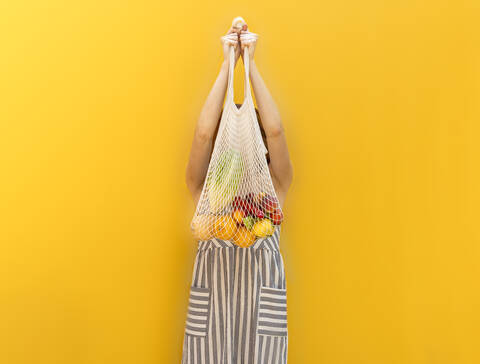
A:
{"points": [[263, 228]]}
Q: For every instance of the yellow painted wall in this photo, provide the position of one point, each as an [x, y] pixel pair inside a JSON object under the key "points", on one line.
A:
{"points": [[380, 101]]}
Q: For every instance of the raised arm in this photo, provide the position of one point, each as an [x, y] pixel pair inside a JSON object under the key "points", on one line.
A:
{"points": [[280, 165], [206, 125]]}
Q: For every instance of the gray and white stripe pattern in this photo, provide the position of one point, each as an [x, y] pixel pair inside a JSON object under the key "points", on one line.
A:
{"points": [[237, 310]]}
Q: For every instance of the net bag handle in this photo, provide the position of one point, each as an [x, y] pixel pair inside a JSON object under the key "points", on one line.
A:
{"points": [[245, 38]]}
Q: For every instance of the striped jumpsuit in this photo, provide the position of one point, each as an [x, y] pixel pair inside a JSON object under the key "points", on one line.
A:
{"points": [[237, 309]]}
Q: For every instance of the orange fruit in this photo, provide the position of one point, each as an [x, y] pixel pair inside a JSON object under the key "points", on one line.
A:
{"points": [[202, 227], [225, 227], [244, 237], [238, 215]]}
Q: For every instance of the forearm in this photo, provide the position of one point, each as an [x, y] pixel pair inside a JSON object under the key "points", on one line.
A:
{"points": [[267, 108], [212, 108], [204, 131]]}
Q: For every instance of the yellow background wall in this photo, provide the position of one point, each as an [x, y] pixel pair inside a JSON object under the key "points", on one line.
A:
{"points": [[380, 101]]}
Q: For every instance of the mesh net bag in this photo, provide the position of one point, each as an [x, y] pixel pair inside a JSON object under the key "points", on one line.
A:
{"points": [[238, 201]]}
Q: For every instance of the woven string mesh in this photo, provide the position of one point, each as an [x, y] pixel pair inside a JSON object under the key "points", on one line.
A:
{"points": [[238, 201]]}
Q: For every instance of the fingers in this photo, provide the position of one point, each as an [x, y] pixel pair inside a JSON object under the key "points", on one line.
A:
{"points": [[242, 32], [236, 30], [235, 36], [239, 31], [247, 38], [231, 39]]}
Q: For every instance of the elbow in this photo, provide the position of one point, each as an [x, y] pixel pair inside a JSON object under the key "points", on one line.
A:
{"points": [[203, 135], [203, 132], [275, 131]]}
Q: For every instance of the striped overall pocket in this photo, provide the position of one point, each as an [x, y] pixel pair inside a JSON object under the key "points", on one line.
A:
{"points": [[272, 313], [198, 311]]}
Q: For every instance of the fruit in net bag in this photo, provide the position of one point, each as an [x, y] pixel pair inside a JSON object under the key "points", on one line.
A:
{"points": [[248, 222], [224, 180], [244, 237], [238, 215], [263, 228], [202, 227], [225, 227]]}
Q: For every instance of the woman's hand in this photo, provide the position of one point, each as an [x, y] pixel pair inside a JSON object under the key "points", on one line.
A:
{"points": [[251, 44], [227, 45]]}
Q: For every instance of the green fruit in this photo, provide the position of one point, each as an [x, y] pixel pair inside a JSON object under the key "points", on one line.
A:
{"points": [[248, 221], [223, 181]]}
